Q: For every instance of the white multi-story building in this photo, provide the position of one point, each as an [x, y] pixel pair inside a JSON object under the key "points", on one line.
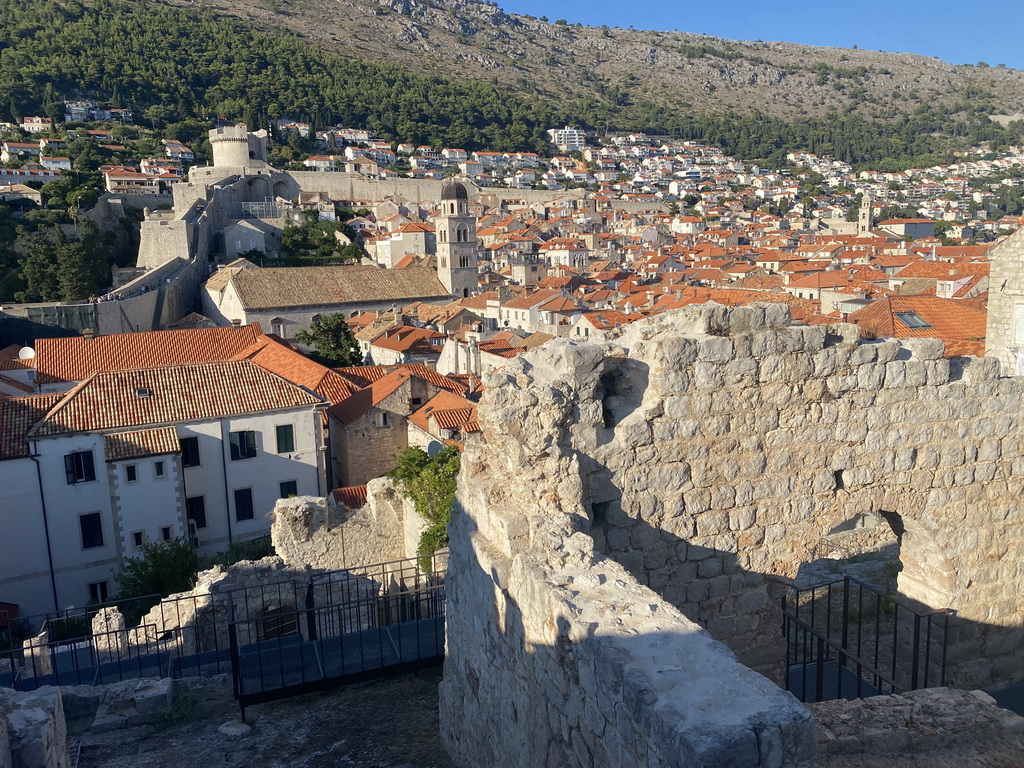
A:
{"points": [[568, 139], [201, 451]]}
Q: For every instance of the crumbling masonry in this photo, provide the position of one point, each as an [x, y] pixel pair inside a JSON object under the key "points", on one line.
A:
{"points": [[624, 495]]}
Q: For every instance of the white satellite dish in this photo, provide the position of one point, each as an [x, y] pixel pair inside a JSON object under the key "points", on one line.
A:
{"points": [[26, 353]]}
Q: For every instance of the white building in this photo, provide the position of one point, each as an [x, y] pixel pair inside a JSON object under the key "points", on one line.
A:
{"points": [[128, 456], [568, 139]]}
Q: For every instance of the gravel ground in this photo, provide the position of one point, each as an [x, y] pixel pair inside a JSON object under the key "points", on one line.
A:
{"points": [[388, 723]]}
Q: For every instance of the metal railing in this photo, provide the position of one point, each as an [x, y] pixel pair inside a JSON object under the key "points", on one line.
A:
{"points": [[358, 637], [334, 626], [847, 639]]}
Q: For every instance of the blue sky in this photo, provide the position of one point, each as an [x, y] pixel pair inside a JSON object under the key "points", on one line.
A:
{"points": [[957, 32]]}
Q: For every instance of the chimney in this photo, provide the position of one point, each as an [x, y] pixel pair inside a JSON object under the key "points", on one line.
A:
{"points": [[88, 333]]}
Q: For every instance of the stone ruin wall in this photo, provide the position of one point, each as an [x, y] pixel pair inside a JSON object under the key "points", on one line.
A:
{"points": [[1006, 298], [624, 493], [316, 533], [556, 655]]}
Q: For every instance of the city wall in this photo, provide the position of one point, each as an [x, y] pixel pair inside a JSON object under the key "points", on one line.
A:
{"points": [[1004, 336], [624, 494], [317, 534]]}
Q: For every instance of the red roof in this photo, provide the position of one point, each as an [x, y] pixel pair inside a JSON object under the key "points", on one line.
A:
{"points": [[75, 358], [352, 496]]}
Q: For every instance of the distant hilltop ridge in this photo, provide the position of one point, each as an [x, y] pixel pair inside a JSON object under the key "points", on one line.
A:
{"points": [[636, 70]]}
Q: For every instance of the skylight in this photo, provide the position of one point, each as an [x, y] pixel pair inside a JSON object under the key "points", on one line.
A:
{"points": [[912, 320]]}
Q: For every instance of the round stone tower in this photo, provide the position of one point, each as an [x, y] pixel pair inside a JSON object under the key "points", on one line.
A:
{"points": [[234, 147]]}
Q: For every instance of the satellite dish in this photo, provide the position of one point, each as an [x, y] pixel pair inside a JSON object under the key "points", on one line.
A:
{"points": [[26, 353]]}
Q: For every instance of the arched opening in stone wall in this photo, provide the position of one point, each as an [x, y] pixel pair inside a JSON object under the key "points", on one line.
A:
{"points": [[259, 189], [886, 550], [281, 189], [281, 621]]}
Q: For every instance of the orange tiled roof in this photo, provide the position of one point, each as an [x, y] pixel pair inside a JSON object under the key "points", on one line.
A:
{"points": [[448, 410], [17, 417], [946, 319], [113, 400], [74, 358], [352, 496], [145, 442], [280, 358]]}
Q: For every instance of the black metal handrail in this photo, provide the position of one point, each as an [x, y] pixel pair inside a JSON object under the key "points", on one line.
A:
{"points": [[854, 632]]}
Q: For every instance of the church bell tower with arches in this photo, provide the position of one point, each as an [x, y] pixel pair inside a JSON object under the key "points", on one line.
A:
{"points": [[456, 241]]}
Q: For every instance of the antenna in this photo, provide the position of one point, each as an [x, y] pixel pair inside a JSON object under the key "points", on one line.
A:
{"points": [[26, 353]]}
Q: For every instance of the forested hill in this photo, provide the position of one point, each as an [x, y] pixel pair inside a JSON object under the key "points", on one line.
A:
{"points": [[457, 83]]}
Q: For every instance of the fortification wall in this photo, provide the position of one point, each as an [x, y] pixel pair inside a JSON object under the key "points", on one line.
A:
{"points": [[557, 655], [1004, 336], [706, 454], [311, 532]]}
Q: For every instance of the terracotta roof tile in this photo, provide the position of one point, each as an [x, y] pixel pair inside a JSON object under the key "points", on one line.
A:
{"points": [[326, 286], [145, 442], [17, 416], [74, 358], [112, 400], [352, 496], [902, 317], [278, 357]]}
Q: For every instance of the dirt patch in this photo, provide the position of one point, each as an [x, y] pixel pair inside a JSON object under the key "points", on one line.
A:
{"points": [[388, 723]]}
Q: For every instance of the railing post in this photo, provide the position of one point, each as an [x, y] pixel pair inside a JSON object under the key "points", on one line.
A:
{"points": [[916, 657], [819, 678]]}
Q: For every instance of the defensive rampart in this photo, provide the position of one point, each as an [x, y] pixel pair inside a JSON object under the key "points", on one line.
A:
{"points": [[705, 454]]}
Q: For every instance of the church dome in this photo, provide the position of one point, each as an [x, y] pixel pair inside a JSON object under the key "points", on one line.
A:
{"points": [[454, 190]]}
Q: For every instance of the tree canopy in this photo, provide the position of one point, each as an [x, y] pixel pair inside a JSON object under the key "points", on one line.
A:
{"points": [[430, 483], [333, 340]]}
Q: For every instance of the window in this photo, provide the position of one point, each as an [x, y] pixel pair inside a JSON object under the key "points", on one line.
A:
{"points": [[912, 320], [158, 469], [165, 533], [137, 538], [195, 510], [243, 504], [190, 451], [92, 530], [285, 438], [243, 445], [98, 592], [79, 467], [131, 474], [289, 488], [382, 419]]}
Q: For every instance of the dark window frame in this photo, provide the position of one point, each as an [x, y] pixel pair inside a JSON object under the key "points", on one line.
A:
{"points": [[246, 511], [195, 510], [293, 489], [285, 434], [79, 467], [91, 537], [243, 444], [190, 452]]}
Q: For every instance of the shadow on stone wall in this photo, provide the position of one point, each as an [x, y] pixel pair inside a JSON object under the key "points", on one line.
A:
{"points": [[583, 667]]}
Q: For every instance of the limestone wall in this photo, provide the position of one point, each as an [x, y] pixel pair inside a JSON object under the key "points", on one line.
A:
{"points": [[1003, 338], [33, 733], [708, 453], [930, 727], [310, 532], [556, 655]]}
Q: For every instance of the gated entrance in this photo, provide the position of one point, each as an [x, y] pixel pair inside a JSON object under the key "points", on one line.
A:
{"points": [[848, 640]]}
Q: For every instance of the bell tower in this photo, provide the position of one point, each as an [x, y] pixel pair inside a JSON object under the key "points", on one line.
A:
{"points": [[456, 241], [866, 217]]}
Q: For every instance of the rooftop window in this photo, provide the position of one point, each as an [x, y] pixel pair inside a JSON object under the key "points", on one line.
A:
{"points": [[912, 320]]}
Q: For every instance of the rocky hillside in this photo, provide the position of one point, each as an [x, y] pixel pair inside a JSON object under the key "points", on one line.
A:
{"points": [[634, 72]]}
